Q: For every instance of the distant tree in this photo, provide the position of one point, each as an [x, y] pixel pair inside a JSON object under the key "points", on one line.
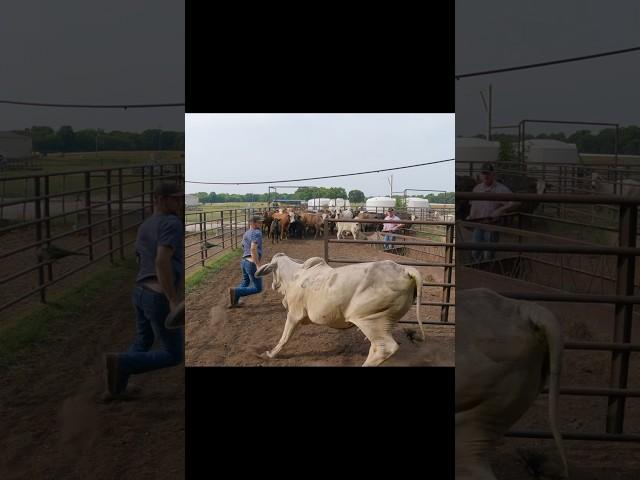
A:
{"points": [[67, 138], [356, 196]]}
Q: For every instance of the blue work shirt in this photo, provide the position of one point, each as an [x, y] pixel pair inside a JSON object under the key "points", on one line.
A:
{"points": [[160, 229], [251, 235]]}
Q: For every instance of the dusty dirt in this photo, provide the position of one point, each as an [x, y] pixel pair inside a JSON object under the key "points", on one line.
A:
{"points": [[588, 460], [54, 424], [216, 335]]}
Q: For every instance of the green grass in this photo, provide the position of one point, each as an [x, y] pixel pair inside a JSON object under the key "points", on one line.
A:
{"points": [[20, 334], [81, 161], [195, 279]]}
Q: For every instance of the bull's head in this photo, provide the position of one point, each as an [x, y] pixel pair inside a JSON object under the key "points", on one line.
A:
{"points": [[278, 273]]}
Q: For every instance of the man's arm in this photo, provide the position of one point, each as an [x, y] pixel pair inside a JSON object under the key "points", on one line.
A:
{"points": [[164, 274], [254, 253]]}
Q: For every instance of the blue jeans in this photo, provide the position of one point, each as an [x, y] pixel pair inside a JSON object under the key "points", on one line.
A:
{"points": [[152, 309], [388, 238], [484, 236], [250, 283]]}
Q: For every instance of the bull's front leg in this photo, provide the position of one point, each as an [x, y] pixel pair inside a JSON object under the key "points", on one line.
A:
{"points": [[289, 328]]}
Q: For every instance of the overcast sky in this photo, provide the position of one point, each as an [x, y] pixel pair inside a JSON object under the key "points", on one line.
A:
{"points": [[80, 51], [502, 33], [262, 147]]}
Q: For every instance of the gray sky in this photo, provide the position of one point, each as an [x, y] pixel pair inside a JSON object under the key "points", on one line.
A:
{"points": [[81, 51], [503, 33], [261, 147]]}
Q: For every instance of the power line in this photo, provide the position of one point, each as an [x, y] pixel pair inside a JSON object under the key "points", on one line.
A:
{"points": [[544, 64], [76, 105], [329, 176]]}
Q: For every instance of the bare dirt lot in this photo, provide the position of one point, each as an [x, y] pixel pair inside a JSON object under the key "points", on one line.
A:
{"points": [[54, 424], [216, 335], [588, 460]]}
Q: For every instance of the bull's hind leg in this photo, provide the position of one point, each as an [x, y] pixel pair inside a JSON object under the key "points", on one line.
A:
{"points": [[289, 328], [383, 345]]}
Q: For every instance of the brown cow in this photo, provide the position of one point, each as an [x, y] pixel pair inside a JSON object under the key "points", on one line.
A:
{"points": [[284, 223], [312, 220]]}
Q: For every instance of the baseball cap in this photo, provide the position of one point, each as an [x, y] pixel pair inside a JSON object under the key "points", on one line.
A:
{"points": [[487, 167], [167, 189]]}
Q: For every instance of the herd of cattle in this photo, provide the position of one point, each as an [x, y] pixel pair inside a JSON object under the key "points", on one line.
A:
{"points": [[296, 223]]}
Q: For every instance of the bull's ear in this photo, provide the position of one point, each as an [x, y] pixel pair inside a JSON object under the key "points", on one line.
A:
{"points": [[266, 269]]}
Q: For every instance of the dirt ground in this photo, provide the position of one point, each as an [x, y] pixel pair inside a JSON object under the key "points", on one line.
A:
{"points": [[216, 335], [54, 425], [588, 460]]}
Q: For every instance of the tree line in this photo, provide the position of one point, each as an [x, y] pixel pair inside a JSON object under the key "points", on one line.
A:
{"points": [[65, 139], [304, 193], [585, 140]]}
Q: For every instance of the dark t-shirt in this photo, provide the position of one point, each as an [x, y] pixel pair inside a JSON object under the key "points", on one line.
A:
{"points": [[160, 229]]}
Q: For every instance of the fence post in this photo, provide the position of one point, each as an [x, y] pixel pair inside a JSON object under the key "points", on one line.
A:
{"points": [[235, 226], [446, 290], [120, 214], [623, 318], [206, 249], [87, 204], [203, 247], [142, 190], [109, 216], [47, 214], [38, 213], [222, 226], [326, 239]]}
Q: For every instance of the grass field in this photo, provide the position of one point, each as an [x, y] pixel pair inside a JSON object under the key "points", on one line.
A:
{"points": [[58, 163]]}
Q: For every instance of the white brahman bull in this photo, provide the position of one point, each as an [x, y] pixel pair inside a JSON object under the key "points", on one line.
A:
{"points": [[373, 296], [626, 188], [504, 350], [352, 228]]}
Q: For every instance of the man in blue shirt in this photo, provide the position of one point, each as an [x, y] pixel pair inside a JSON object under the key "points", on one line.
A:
{"points": [[251, 256], [157, 291]]}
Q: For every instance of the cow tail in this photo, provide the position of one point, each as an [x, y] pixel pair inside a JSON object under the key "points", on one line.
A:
{"points": [[417, 277], [549, 326]]}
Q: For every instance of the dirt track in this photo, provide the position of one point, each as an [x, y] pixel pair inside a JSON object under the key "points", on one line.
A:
{"points": [[216, 335], [588, 460], [55, 427]]}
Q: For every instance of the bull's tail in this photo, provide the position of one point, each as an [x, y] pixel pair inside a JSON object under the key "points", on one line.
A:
{"points": [[549, 326], [417, 277]]}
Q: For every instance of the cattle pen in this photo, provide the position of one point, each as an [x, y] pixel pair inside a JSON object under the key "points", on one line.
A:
{"points": [[587, 298], [217, 336], [54, 225]]}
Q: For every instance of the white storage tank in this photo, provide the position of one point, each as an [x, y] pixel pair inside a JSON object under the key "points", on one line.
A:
{"points": [[379, 204], [316, 203], [550, 151], [339, 203], [416, 202], [475, 150]]}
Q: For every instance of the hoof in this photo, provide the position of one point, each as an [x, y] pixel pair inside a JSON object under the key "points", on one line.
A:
{"points": [[269, 354]]}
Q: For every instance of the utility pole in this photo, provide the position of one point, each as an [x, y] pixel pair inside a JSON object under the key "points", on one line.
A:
{"points": [[390, 180], [490, 111], [488, 107]]}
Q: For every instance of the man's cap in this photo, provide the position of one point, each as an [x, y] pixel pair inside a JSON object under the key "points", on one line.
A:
{"points": [[487, 167], [256, 219], [167, 189]]}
